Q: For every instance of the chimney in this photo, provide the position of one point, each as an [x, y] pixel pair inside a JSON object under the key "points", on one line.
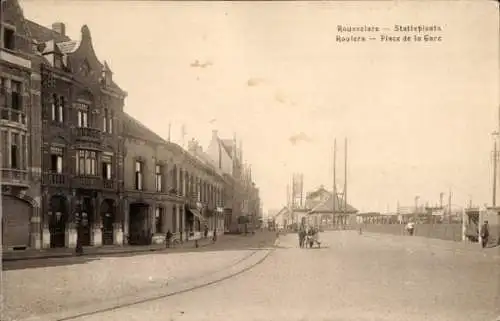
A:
{"points": [[59, 27], [192, 146]]}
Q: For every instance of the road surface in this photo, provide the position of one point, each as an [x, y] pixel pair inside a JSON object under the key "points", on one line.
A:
{"points": [[49, 286], [352, 277]]}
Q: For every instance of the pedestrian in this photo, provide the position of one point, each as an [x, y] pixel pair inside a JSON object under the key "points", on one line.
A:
{"points": [[214, 237], [206, 231], [411, 228], [485, 234], [168, 238]]}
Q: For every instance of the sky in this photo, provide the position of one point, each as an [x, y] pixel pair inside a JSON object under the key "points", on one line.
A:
{"points": [[418, 116]]}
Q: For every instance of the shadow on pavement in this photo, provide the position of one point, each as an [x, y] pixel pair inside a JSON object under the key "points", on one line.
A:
{"points": [[228, 243], [49, 262]]}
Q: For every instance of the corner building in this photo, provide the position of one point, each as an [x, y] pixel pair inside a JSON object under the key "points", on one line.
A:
{"points": [[20, 131]]}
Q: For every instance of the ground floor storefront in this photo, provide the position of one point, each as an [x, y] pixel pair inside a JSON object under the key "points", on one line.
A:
{"points": [[20, 218], [90, 217], [63, 218]]}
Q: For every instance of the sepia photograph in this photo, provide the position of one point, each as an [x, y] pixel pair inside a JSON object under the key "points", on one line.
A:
{"points": [[250, 160]]}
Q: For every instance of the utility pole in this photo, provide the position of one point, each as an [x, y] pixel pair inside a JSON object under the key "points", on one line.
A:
{"points": [[334, 180], [449, 206], [495, 173], [344, 219], [416, 207], [441, 195], [293, 198]]}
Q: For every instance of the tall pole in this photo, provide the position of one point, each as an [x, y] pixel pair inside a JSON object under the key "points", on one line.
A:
{"points": [[334, 180], [416, 207], [495, 174], [345, 180], [293, 198], [449, 206]]}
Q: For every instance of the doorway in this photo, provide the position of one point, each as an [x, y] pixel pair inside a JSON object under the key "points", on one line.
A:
{"points": [[108, 218], [57, 219], [85, 225], [139, 233]]}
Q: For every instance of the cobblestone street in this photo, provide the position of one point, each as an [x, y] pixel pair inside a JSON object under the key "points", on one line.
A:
{"points": [[352, 277], [83, 281]]}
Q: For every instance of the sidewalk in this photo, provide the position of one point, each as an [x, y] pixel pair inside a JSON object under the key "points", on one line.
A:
{"points": [[102, 250], [493, 252]]}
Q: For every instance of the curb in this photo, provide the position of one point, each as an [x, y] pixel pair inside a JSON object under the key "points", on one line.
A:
{"points": [[98, 254], [243, 265]]}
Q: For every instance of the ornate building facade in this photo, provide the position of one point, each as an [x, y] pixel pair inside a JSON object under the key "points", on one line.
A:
{"points": [[82, 148]]}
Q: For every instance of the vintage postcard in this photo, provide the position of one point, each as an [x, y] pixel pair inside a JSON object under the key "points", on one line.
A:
{"points": [[250, 160]]}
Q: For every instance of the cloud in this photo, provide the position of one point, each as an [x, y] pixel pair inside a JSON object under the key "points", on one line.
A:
{"points": [[252, 82], [213, 120], [301, 137], [197, 64]]}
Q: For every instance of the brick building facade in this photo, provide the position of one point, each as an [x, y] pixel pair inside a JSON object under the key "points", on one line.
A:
{"points": [[20, 132], [76, 168], [82, 151], [167, 188]]}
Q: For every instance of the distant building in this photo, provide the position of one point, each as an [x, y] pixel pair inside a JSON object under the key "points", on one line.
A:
{"points": [[242, 197], [323, 213]]}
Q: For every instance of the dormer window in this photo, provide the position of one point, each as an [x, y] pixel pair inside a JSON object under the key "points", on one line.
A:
{"points": [[9, 38], [58, 61], [106, 75]]}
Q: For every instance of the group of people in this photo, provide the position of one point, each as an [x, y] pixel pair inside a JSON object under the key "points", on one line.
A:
{"points": [[308, 235]]}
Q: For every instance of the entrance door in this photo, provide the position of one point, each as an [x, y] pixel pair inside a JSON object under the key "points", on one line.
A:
{"points": [[107, 228], [57, 221], [107, 218], [84, 232], [138, 234]]}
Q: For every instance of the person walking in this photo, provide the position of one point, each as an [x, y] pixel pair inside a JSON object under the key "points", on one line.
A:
{"points": [[485, 234], [168, 238]]}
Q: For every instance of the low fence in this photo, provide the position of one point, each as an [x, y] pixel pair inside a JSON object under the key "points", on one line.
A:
{"points": [[449, 232]]}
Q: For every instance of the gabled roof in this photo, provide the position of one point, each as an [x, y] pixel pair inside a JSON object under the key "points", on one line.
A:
{"points": [[68, 46], [134, 128], [327, 206], [64, 44], [227, 144], [317, 192], [44, 34]]}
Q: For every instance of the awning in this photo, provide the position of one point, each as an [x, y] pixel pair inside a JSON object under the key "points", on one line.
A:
{"points": [[197, 214]]}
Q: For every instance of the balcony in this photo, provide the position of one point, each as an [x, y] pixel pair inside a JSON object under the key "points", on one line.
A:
{"points": [[87, 182], [109, 184], [17, 177], [87, 134], [55, 179], [13, 115]]}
